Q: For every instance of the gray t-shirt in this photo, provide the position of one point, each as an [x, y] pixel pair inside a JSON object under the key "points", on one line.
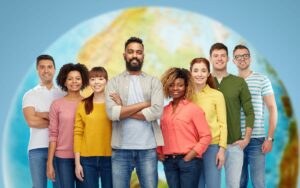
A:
{"points": [[136, 134]]}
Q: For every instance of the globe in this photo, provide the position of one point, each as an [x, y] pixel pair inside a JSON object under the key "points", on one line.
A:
{"points": [[172, 38]]}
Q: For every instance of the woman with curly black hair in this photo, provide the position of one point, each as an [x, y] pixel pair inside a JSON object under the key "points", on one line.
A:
{"points": [[60, 165]]}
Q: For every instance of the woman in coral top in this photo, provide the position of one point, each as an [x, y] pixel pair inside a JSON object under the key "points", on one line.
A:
{"points": [[213, 103], [185, 131], [92, 135], [60, 165]]}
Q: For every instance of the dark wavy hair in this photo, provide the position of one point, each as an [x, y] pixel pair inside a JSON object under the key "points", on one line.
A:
{"points": [[66, 69], [94, 72], [210, 80]]}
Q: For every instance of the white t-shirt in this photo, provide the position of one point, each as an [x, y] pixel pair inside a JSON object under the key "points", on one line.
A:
{"points": [[40, 98]]}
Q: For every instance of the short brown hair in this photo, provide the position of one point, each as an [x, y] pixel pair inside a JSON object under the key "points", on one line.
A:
{"points": [[218, 46], [239, 47]]}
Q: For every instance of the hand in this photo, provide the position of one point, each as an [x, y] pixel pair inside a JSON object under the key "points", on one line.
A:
{"points": [[242, 143], [267, 146], [220, 158], [79, 172], [190, 155], [50, 171], [116, 98], [161, 157]]}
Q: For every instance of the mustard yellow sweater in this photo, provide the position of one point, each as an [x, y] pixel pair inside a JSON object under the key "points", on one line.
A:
{"points": [[92, 132]]}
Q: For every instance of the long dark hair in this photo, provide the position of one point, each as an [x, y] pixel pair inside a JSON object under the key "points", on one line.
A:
{"points": [[94, 72], [210, 80]]}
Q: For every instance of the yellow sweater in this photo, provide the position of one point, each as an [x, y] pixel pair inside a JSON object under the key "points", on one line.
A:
{"points": [[213, 104], [92, 133]]}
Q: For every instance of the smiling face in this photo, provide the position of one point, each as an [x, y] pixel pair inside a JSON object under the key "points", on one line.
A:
{"points": [[177, 89], [98, 84], [242, 59], [200, 73], [73, 81], [134, 56], [46, 71], [219, 59]]}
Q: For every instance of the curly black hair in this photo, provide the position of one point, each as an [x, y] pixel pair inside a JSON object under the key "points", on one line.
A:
{"points": [[64, 71]]}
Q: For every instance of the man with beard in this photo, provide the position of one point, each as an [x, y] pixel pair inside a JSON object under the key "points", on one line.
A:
{"points": [[261, 93], [237, 97], [134, 102]]}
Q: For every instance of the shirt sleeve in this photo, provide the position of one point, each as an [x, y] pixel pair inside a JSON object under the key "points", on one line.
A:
{"points": [[157, 101], [245, 98], [221, 119], [28, 100], [79, 127], [198, 118], [54, 122], [112, 109], [267, 87]]}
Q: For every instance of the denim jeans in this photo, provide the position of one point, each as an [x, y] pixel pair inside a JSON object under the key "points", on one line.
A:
{"points": [[181, 174], [145, 162], [210, 175], [64, 173], [233, 165], [93, 168], [38, 167], [254, 159]]}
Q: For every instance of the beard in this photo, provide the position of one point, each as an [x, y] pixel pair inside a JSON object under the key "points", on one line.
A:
{"points": [[136, 67]]}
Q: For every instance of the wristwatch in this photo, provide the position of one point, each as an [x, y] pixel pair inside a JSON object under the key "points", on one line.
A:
{"points": [[270, 139]]}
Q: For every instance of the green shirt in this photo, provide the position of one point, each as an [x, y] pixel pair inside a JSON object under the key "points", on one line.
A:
{"points": [[237, 95]]}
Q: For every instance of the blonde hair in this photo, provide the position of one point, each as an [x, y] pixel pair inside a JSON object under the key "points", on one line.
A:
{"points": [[171, 75]]}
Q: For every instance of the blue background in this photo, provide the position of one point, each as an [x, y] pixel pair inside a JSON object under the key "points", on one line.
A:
{"points": [[27, 28]]}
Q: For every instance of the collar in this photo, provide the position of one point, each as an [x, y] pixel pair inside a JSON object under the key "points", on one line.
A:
{"points": [[126, 73], [40, 86], [183, 102]]}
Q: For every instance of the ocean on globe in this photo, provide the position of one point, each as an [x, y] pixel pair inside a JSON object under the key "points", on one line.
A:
{"points": [[172, 38]]}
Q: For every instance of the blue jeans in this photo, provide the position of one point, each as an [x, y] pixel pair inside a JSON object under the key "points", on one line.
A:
{"points": [[233, 165], [255, 160], [181, 174], [209, 172], [38, 167], [64, 173], [93, 168], [145, 162]]}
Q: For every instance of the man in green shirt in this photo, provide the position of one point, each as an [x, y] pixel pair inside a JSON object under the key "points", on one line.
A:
{"points": [[237, 96]]}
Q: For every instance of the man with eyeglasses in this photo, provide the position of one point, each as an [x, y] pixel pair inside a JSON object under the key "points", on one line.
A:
{"points": [[261, 93], [237, 96]]}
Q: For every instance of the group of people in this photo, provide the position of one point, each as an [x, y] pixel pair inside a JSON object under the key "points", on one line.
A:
{"points": [[213, 119]]}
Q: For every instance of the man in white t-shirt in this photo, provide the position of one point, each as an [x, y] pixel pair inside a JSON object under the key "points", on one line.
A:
{"points": [[36, 105]]}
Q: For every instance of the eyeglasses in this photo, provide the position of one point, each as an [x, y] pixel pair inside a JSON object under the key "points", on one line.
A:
{"points": [[243, 56]]}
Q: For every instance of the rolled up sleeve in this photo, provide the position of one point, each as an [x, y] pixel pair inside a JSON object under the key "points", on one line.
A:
{"points": [[112, 109], [157, 102]]}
